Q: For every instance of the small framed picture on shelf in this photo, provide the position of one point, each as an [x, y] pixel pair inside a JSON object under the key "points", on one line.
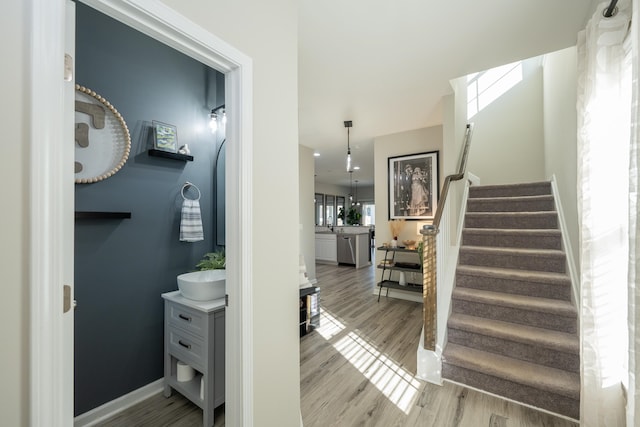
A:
{"points": [[165, 137]]}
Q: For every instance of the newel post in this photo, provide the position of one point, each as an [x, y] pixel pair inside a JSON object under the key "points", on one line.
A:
{"points": [[429, 290]]}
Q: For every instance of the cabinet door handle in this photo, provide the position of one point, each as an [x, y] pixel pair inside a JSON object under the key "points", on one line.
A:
{"points": [[183, 317], [187, 346]]}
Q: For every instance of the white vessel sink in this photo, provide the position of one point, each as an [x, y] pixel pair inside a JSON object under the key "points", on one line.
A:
{"points": [[203, 285]]}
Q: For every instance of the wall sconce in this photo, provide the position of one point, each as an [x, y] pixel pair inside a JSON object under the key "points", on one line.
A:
{"points": [[218, 116]]}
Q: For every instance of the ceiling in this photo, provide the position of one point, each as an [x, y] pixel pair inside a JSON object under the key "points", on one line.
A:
{"points": [[386, 65]]}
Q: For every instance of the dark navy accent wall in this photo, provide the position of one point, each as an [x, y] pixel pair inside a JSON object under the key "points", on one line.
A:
{"points": [[122, 266]]}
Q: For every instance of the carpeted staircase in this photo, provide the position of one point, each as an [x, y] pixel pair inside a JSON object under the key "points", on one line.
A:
{"points": [[513, 329]]}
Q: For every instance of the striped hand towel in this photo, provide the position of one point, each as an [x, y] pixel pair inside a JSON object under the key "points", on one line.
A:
{"points": [[191, 222]]}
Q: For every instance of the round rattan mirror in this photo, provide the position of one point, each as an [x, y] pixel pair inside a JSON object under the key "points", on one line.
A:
{"points": [[102, 140]]}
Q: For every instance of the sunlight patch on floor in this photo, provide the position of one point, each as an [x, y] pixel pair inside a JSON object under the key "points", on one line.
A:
{"points": [[330, 326], [398, 385]]}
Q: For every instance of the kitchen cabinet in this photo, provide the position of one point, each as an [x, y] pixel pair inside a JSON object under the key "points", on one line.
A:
{"points": [[326, 248]]}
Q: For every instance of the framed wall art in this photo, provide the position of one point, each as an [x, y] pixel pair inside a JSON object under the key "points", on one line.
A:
{"points": [[165, 137], [413, 186]]}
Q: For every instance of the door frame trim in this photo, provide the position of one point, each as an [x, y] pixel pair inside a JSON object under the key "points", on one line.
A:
{"points": [[45, 89], [45, 30]]}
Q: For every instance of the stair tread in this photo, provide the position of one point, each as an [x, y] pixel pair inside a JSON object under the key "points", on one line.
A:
{"points": [[523, 251], [529, 231], [506, 198], [516, 184], [521, 275], [530, 374], [513, 213], [523, 302], [548, 338], [511, 186]]}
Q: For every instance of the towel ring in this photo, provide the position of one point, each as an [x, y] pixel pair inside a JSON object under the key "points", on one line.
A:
{"points": [[187, 185]]}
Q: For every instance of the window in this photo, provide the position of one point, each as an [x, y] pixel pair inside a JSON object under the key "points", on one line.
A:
{"points": [[319, 208], [330, 208], [368, 213], [339, 206], [485, 87]]}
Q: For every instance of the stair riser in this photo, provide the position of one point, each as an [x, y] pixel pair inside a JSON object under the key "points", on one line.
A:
{"points": [[510, 205], [555, 263], [522, 221], [510, 191], [531, 353], [556, 403], [518, 287], [512, 240], [506, 221], [556, 322]]}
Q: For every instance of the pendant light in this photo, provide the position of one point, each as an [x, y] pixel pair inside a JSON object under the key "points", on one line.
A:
{"points": [[350, 188], [348, 124]]}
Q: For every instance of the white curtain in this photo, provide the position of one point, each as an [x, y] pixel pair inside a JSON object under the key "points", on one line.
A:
{"points": [[603, 190], [633, 397]]}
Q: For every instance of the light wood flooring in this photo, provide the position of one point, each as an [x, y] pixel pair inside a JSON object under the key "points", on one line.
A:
{"points": [[358, 369]]}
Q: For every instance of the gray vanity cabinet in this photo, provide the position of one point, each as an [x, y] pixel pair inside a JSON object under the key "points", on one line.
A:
{"points": [[194, 334]]}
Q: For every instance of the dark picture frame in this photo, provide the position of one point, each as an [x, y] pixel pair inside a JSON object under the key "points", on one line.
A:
{"points": [[165, 137], [414, 186]]}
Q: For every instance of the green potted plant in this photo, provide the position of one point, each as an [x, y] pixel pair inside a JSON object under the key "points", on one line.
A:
{"points": [[212, 261], [353, 216]]}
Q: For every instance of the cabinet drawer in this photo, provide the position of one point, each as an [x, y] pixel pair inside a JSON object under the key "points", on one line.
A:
{"points": [[187, 348], [190, 320]]}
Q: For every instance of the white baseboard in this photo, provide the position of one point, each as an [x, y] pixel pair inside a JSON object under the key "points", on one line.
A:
{"points": [[497, 396], [109, 409]]}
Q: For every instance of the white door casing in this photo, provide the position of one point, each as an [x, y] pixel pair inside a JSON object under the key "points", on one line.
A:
{"points": [[68, 208], [47, 225], [51, 201]]}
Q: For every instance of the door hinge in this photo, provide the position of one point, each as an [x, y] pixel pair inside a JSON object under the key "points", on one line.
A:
{"points": [[226, 300], [66, 296], [68, 67]]}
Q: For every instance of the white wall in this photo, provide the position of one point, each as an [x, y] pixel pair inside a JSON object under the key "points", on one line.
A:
{"points": [[365, 193], [398, 144], [331, 189], [560, 135], [14, 358], [507, 144], [267, 32], [454, 128], [307, 214]]}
